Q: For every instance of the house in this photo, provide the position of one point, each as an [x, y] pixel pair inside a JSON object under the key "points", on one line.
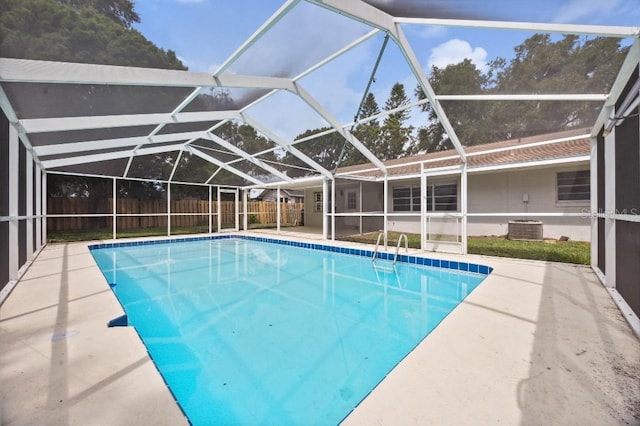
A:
{"points": [[543, 178], [286, 195]]}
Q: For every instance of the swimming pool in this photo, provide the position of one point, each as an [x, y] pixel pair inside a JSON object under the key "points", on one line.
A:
{"points": [[245, 331]]}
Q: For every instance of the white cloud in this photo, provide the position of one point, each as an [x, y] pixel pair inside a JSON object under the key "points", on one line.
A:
{"points": [[575, 10], [455, 51]]}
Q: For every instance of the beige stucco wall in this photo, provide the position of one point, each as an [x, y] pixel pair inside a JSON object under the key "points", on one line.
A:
{"points": [[502, 192], [372, 199], [491, 192]]}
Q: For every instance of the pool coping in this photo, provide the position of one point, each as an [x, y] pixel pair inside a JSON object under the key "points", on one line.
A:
{"points": [[383, 255]]}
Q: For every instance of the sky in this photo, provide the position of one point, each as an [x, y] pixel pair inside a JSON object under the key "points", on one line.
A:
{"points": [[203, 33]]}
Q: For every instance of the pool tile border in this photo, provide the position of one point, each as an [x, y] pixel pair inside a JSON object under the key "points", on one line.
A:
{"points": [[473, 268]]}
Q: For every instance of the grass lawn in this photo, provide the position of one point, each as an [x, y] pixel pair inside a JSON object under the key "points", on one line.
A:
{"points": [[555, 251], [106, 234], [551, 250]]}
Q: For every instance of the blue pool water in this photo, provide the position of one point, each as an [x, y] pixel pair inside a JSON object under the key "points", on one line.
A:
{"points": [[250, 332]]}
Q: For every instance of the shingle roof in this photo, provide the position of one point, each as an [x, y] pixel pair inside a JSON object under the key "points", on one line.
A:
{"points": [[570, 144]]}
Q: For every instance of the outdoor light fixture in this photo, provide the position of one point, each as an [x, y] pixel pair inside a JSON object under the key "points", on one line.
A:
{"points": [[630, 103]]}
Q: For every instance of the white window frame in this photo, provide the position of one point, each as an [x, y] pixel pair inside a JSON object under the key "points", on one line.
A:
{"points": [[352, 196], [317, 202], [414, 207]]}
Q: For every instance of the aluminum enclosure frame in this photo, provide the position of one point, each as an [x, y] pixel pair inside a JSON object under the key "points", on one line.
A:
{"points": [[89, 151]]}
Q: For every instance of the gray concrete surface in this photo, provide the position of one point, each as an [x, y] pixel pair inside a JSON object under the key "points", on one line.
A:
{"points": [[536, 343]]}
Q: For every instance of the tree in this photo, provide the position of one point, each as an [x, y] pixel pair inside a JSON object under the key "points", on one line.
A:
{"points": [[247, 139], [49, 30], [325, 150], [540, 65], [369, 133], [396, 136], [120, 11], [89, 31], [215, 99], [467, 118]]}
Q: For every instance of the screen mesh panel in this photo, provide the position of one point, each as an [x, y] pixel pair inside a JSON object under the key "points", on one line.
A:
{"points": [[4, 166], [115, 167], [141, 198], [70, 194], [297, 41], [155, 166], [289, 165], [227, 178], [106, 134], [225, 99], [186, 127], [48, 100], [192, 168], [244, 137]]}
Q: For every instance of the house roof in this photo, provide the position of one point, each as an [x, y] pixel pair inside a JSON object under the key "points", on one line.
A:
{"points": [[293, 192], [569, 144], [283, 191]]}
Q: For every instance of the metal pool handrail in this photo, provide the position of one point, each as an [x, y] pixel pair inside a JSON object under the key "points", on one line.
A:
{"points": [[406, 247], [375, 251]]}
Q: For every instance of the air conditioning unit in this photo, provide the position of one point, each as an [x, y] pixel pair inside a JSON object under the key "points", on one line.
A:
{"points": [[525, 230]]}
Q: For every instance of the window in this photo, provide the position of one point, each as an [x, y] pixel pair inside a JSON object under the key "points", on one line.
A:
{"points": [[445, 197], [574, 186], [351, 200], [317, 200], [440, 197], [406, 198]]}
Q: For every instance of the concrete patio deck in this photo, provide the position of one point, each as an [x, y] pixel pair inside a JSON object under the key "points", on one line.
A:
{"points": [[536, 343]]}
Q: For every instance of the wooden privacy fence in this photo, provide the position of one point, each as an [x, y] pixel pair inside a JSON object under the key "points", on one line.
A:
{"points": [[265, 212], [153, 213]]}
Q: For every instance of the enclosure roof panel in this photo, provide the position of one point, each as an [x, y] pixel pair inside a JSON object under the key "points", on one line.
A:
{"points": [[32, 71], [281, 83]]}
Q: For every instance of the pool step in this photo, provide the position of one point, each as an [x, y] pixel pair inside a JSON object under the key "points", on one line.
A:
{"points": [[386, 266]]}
